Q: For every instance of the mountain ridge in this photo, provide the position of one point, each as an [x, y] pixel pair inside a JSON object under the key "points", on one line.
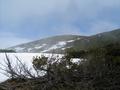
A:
{"points": [[59, 43]]}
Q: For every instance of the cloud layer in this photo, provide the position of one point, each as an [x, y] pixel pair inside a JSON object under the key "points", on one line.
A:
{"points": [[33, 19]]}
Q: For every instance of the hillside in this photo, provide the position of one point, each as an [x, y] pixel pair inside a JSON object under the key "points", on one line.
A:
{"points": [[58, 44], [51, 44], [98, 40]]}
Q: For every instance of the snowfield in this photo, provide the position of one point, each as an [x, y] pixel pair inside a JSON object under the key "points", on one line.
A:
{"points": [[26, 58]]}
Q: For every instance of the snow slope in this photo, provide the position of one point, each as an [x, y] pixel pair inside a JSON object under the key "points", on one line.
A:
{"points": [[47, 45], [24, 57]]}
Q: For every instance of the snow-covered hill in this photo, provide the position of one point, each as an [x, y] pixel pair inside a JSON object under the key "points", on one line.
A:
{"points": [[55, 44], [58, 44]]}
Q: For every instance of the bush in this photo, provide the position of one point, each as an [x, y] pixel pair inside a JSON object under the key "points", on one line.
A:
{"points": [[99, 70], [6, 51]]}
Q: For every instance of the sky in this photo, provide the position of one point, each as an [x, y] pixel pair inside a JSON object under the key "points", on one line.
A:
{"points": [[27, 20]]}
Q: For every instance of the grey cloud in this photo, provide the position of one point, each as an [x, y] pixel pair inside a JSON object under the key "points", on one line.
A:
{"points": [[15, 12]]}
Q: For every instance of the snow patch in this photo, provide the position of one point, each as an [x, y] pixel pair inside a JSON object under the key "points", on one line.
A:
{"points": [[65, 48], [78, 38], [76, 60], [61, 43], [56, 46], [29, 49], [38, 47], [19, 48], [70, 41]]}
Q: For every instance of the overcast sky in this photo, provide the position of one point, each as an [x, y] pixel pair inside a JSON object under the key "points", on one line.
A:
{"points": [[27, 20]]}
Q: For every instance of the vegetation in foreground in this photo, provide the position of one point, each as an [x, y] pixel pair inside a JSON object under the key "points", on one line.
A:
{"points": [[6, 51], [99, 69]]}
